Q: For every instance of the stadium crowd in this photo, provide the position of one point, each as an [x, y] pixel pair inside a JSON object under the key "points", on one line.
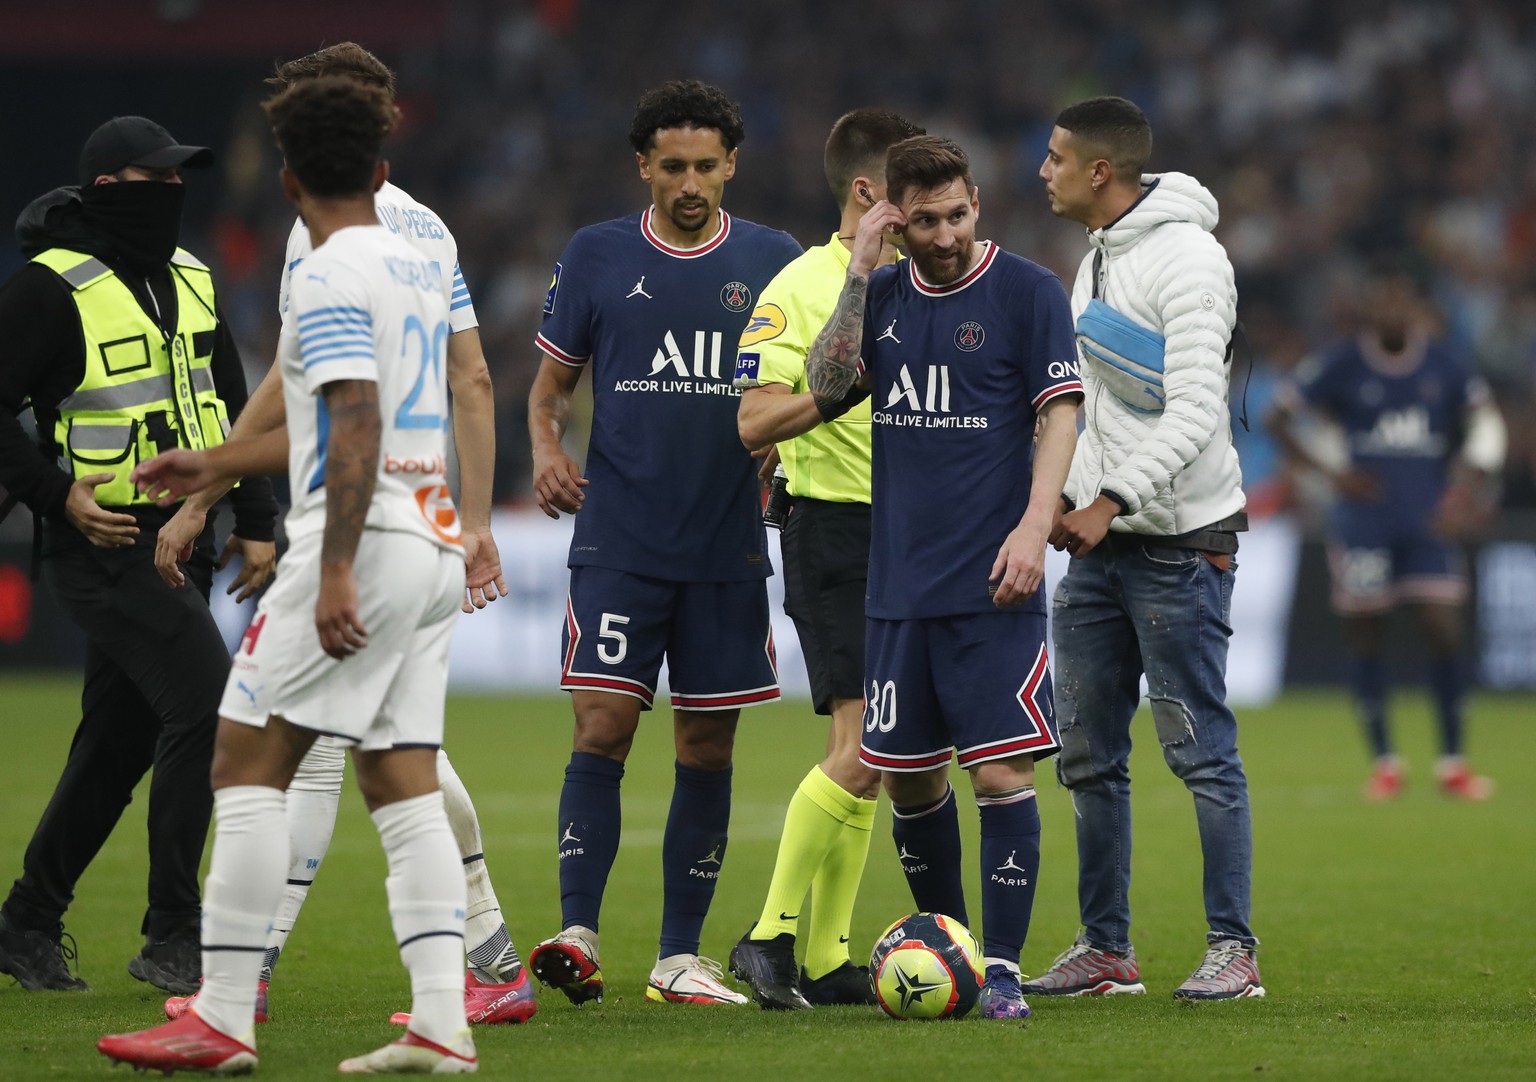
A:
{"points": [[1332, 135]]}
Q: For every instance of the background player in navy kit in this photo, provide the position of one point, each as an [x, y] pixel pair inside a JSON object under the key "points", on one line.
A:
{"points": [[964, 347], [1422, 434], [669, 554]]}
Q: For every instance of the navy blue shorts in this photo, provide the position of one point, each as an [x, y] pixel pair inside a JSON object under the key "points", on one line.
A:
{"points": [[1372, 578], [715, 636], [978, 686]]}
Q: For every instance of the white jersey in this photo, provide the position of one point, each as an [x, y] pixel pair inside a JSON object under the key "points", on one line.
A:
{"points": [[367, 306], [417, 225]]}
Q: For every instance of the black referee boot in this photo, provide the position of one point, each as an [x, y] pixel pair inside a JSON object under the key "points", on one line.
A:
{"points": [[768, 967]]}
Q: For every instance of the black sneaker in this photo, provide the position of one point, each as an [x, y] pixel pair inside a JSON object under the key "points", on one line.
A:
{"points": [[848, 984], [174, 963], [768, 968], [39, 960]]}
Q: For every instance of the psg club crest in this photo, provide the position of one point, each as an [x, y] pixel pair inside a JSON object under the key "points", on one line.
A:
{"points": [[969, 336], [736, 296]]}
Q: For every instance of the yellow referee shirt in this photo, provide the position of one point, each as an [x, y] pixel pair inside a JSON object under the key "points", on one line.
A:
{"points": [[831, 461]]}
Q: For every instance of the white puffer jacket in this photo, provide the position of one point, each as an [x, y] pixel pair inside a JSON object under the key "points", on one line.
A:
{"points": [[1174, 467]]}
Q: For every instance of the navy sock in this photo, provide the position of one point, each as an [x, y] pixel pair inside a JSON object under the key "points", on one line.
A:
{"points": [[1445, 684], [928, 846], [1010, 865], [589, 835], [691, 855], [1368, 682]]}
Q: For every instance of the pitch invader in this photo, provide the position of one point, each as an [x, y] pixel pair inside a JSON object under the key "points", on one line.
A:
{"points": [[496, 986], [969, 354], [668, 556], [1424, 439], [375, 567]]}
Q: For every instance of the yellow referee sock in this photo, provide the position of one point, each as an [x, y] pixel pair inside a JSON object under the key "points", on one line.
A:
{"points": [[812, 825], [834, 890]]}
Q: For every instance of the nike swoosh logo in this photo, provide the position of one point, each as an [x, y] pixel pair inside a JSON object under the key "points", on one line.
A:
{"points": [[789, 916], [842, 939]]}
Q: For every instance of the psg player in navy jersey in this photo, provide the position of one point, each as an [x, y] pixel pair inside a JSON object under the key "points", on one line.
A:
{"points": [[668, 555], [969, 355], [1423, 437]]}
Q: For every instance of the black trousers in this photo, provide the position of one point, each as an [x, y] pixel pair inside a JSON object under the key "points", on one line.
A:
{"points": [[154, 673]]}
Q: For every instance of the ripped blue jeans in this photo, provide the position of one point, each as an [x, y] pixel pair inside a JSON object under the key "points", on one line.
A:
{"points": [[1123, 610]]}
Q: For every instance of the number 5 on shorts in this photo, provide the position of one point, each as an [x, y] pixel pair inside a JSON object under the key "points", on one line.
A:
{"points": [[607, 631]]}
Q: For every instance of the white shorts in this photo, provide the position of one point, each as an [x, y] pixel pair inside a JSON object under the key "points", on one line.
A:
{"points": [[387, 695]]}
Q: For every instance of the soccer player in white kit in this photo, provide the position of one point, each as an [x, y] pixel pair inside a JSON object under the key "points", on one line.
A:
{"points": [[374, 567], [497, 987]]}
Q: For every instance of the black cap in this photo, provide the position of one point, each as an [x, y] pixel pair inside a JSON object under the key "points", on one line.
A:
{"points": [[136, 140]]}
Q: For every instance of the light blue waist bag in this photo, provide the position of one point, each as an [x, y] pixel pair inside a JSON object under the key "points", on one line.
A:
{"points": [[1125, 356]]}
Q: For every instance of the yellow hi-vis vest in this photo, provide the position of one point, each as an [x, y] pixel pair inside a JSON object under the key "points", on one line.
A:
{"points": [[143, 392]]}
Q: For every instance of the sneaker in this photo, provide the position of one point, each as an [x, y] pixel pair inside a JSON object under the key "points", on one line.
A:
{"points": [[187, 1044], [1457, 780], [487, 1004], [413, 1054], [177, 1006], [1230, 971], [687, 978], [1001, 995], [174, 963], [767, 966], [1084, 970], [1386, 781], [847, 985], [39, 960], [569, 962]]}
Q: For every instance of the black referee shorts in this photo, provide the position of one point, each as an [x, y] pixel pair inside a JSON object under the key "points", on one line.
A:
{"points": [[826, 564]]}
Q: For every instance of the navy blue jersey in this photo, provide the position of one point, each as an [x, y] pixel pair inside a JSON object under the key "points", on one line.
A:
{"points": [[1403, 418], [958, 373], [673, 494]]}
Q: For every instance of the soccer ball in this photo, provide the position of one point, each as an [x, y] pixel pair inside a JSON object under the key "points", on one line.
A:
{"points": [[925, 966]]}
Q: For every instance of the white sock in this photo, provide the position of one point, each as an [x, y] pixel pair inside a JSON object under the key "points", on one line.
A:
{"points": [[313, 798], [245, 882], [492, 957], [426, 907]]}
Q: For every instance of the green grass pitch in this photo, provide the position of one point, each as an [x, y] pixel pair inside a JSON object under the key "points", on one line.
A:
{"points": [[1397, 941]]}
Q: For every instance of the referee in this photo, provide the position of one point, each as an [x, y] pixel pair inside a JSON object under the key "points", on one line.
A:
{"points": [[826, 555]]}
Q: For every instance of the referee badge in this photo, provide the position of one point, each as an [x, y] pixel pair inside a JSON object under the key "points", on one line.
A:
{"points": [[736, 296], [969, 336]]}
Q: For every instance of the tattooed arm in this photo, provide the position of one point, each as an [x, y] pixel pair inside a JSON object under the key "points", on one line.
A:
{"points": [[351, 469], [557, 480], [832, 365]]}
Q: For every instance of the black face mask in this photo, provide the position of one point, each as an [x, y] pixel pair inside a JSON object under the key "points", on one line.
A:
{"points": [[140, 218]]}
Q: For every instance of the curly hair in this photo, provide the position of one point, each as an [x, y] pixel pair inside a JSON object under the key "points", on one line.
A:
{"points": [[858, 144], [346, 58], [331, 131], [925, 162], [685, 103]]}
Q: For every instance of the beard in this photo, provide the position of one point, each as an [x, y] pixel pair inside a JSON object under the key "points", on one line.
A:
{"points": [[942, 272], [689, 215]]}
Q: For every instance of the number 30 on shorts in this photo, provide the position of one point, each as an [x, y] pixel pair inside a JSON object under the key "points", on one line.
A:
{"points": [[880, 707]]}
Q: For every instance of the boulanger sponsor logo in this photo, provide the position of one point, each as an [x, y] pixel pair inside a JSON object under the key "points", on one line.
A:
{"points": [[766, 323], [436, 505], [735, 296], [969, 336], [923, 402], [672, 372]]}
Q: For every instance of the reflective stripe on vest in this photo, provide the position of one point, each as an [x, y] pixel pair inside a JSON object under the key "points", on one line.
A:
{"points": [[142, 391]]}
